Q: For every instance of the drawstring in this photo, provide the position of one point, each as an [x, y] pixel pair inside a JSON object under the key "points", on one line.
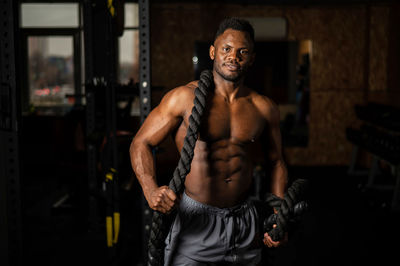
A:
{"points": [[234, 214]]}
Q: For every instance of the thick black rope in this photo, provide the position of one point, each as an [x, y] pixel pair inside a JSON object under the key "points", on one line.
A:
{"points": [[157, 233], [288, 209]]}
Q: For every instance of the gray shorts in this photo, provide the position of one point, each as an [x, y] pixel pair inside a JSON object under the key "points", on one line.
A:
{"points": [[202, 234]]}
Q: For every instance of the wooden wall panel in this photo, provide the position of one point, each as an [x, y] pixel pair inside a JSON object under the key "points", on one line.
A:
{"points": [[345, 40], [338, 40], [379, 25], [332, 111]]}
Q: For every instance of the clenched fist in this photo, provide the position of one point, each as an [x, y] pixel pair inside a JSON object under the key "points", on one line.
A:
{"points": [[273, 244], [162, 199]]}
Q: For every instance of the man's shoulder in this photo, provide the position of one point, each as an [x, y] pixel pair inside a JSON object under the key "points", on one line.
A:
{"points": [[265, 105], [179, 99], [183, 91]]}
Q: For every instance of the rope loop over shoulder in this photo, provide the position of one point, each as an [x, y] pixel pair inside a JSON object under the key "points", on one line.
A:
{"points": [[157, 233]]}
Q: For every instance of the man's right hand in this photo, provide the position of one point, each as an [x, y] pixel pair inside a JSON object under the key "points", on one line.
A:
{"points": [[162, 199]]}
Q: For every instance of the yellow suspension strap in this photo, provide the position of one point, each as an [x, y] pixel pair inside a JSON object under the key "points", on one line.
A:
{"points": [[117, 12], [112, 208], [111, 7]]}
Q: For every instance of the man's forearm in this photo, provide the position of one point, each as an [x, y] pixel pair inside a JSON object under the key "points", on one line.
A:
{"points": [[143, 165], [279, 178]]}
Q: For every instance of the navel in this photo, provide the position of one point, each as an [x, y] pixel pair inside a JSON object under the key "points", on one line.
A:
{"points": [[228, 180]]}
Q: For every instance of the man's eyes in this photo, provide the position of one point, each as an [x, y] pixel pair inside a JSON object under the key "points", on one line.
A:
{"points": [[242, 51]]}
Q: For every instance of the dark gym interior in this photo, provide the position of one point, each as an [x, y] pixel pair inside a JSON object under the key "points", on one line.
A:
{"points": [[79, 77]]}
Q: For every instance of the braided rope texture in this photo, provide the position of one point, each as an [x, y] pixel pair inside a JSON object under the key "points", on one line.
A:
{"points": [[287, 208], [157, 233]]}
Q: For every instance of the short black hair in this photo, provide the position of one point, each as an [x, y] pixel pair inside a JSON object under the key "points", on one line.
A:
{"points": [[235, 24]]}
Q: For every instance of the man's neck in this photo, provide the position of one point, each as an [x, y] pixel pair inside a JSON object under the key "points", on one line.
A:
{"points": [[230, 90]]}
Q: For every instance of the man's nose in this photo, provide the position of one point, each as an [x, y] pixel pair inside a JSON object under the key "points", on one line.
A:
{"points": [[234, 55]]}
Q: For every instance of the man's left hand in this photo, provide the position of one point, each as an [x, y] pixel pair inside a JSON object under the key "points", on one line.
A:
{"points": [[273, 244]]}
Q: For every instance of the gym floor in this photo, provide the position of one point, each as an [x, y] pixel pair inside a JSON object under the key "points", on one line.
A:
{"points": [[346, 225]]}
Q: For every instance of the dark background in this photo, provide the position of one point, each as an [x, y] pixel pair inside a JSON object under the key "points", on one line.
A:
{"points": [[355, 61]]}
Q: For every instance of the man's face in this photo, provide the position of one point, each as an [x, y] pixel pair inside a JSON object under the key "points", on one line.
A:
{"points": [[233, 54]]}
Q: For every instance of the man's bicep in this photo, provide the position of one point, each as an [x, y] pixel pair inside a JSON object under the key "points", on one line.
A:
{"points": [[279, 172], [163, 120], [157, 126], [273, 136], [276, 140]]}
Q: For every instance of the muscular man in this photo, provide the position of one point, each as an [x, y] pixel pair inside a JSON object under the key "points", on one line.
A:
{"points": [[215, 221]]}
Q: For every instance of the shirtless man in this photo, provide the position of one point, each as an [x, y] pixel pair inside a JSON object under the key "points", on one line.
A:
{"points": [[215, 221]]}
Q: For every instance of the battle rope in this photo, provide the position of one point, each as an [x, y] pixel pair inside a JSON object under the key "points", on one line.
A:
{"points": [[289, 208], [157, 233]]}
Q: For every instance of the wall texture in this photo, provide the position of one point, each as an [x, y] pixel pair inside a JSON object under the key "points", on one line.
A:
{"points": [[349, 62]]}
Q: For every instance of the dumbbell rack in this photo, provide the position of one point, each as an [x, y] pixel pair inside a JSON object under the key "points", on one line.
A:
{"points": [[379, 135]]}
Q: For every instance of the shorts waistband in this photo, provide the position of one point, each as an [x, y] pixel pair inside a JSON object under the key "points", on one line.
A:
{"points": [[188, 203]]}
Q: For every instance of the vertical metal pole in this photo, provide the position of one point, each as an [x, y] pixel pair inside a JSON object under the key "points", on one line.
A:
{"points": [[88, 38], [100, 68], [111, 100], [10, 205], [145, 97], [145, 64], [90, 112]]}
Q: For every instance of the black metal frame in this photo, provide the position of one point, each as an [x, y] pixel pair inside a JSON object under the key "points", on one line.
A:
{"points": [[144, 59], [145, 96], [100, 73], [10, 205], [91, 153]]}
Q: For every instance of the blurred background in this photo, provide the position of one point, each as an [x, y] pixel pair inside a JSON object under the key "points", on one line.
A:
{"points": [[79, 77]]}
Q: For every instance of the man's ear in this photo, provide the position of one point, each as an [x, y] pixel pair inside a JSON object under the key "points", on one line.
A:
{"points": [[212, 52]]}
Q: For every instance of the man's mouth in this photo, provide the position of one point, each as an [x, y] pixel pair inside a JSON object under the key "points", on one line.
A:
{"points": [[232, 67]]}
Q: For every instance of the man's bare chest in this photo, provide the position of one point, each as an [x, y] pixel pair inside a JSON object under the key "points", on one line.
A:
{"points": [[239, 121]]}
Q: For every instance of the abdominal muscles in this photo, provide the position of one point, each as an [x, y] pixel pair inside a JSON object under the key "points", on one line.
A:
{"points": [[220, 173]]}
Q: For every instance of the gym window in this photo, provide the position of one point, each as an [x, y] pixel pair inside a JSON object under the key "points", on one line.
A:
{"points": [[128, 69], [50, 15], [128, 52], [52, 57]]}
